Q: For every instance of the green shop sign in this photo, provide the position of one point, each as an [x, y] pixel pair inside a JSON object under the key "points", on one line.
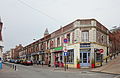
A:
{"points": [[58, 48]]}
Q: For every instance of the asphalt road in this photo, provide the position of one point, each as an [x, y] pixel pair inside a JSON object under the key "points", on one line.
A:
{"points": [[33, 72]]}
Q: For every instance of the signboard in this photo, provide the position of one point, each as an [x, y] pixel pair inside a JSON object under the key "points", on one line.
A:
{"points": [[101, 50], [65, 53], [58, 48], [65, 40]]}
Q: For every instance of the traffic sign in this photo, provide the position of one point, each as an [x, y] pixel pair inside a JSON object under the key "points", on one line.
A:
{"points": [[65, 53], [101, 50], [65, 40]]}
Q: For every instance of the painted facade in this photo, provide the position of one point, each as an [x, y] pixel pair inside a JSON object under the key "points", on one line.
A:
{"points": [[86, 38]]}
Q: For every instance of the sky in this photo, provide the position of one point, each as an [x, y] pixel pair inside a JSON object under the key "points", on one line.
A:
{"points": [[26, 20]]}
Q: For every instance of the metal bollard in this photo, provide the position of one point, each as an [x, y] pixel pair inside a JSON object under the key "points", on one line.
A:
{"points": [[67, 66], [106, 60], [15, 67], [114, 56]]}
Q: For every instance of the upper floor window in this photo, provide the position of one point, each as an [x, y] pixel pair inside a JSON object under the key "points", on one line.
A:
{"points": [[85, 36], [68, 37], [102, 38], [58, 41]]}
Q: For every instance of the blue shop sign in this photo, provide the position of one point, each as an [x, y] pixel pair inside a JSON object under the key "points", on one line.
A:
{"points": [[85, 45], [65, 53]]}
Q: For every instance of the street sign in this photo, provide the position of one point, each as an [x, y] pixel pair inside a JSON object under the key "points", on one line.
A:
{"points": [[65, 40], [101, 50], [65, 53]]}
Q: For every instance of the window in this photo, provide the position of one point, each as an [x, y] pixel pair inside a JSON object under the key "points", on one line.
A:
{"points": [[102, 38], [51, 44], [58, 41], [98, 57], [70, 57], [68, 37], [85, 36]]}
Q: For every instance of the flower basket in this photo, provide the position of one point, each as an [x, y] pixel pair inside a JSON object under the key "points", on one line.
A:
{"points": [[78, 63], [93, 63]]}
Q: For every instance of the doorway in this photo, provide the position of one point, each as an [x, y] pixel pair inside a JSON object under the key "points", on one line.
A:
{"points": [[85, 59]]}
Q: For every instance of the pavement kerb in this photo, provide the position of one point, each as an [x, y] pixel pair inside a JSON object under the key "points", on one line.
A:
{"points": [[117, 76], [105, 72]]}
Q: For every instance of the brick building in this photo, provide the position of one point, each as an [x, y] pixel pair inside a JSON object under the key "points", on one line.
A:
{"points": [[85, 37], [115, 40]]}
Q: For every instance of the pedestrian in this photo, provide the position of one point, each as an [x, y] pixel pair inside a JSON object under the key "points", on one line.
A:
{"points": [[49, 64]]}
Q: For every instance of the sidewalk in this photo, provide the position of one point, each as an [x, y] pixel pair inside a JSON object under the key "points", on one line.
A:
{"points": [[6, 68], [62, 68], [112, 67]]}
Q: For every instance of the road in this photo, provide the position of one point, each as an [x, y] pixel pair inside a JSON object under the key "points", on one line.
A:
{"points": [[35, 72]]}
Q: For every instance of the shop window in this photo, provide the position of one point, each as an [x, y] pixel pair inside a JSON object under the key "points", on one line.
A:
{"points": [[61, 58], [80, 57], [98, 57], [70, 57]]}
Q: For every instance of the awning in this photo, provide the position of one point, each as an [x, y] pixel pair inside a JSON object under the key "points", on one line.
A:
{"points": [[37, 53], [57, 51]]}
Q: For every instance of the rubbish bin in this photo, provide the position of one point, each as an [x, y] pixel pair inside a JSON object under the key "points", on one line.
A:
{"points": [[0, 65]]}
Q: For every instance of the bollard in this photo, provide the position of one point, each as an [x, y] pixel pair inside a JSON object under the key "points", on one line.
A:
{"points": [[110, 57], [42, 64], [114, 56], [106, 60], [67, 66], [15, 67]]}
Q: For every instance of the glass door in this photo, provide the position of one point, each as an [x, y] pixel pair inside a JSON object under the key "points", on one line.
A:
{"points": [[84, 59]]}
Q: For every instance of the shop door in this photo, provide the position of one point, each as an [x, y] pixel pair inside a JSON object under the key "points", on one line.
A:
{"points": [[84, 59]]}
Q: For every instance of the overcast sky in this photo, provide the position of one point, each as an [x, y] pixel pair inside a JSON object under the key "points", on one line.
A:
{"points": [[26, 21]]}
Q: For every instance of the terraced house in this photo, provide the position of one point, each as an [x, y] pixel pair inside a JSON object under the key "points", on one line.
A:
{"points": [[87, 43]]}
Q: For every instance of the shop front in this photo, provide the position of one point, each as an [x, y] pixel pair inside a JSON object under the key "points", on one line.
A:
{"points": [[28, 57], [47, 57], [35, 57], [85, 51], [58, 57], [98, 57]]}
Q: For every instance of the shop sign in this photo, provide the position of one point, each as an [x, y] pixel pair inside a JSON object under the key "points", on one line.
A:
{"points": [[58, 48], [65, 40], [101, 51], [65, 53], [85, 45]]}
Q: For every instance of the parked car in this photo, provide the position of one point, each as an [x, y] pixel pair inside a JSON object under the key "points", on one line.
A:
{"points": [[27, 62], [17, 61], [21, 61], [12, 61]]}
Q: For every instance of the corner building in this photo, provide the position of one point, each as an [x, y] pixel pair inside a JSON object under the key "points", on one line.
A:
{"points": [[87, 42], [86, 37]]}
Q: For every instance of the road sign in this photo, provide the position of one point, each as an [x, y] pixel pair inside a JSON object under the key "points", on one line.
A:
{"points": [[65, 40], [101, 50], [65, 53]]}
